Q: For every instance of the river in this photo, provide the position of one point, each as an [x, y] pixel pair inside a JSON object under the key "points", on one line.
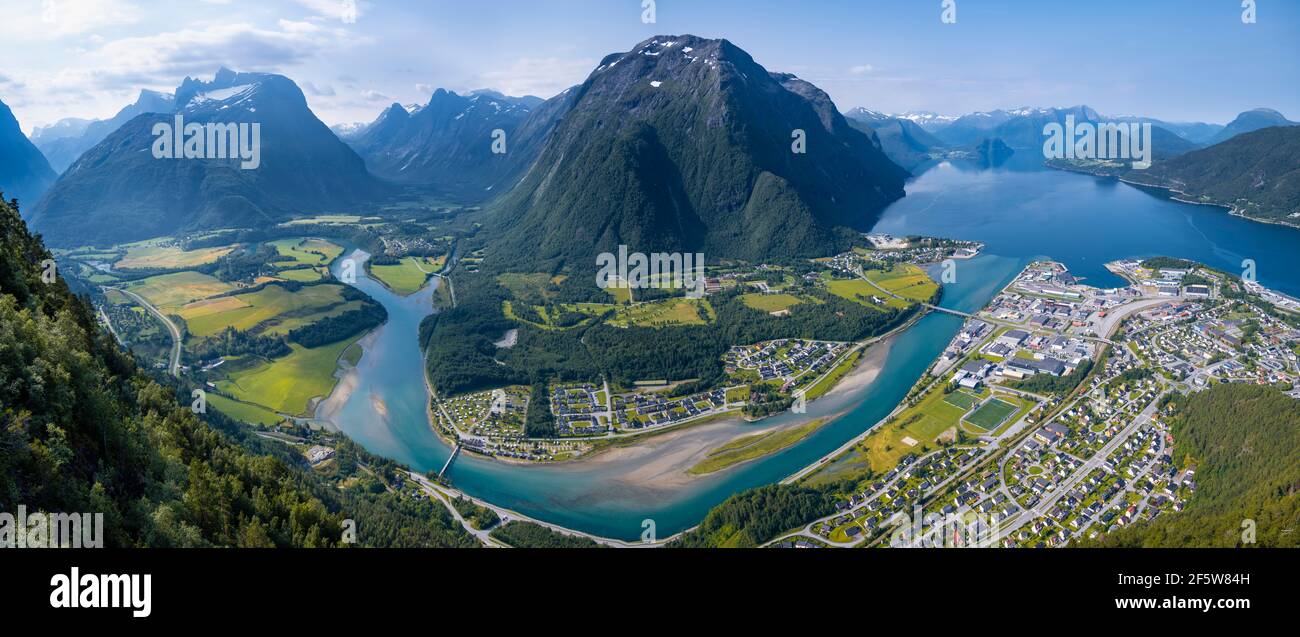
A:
{"points": [[1020, 210]]}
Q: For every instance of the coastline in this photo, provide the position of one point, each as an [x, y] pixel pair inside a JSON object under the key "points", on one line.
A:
{"points": [[1178, 195]]}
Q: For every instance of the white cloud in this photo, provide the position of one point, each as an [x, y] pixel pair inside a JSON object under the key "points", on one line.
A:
{"points": [[41, 19], [543, 77], [861, 69], [345, 11]]}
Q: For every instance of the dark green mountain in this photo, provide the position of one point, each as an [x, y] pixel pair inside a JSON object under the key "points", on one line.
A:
{"points": [[1249, 121], [1256, 173], [447, 143], [24, 172], [117, 191], [685, 143], [902, 140]]}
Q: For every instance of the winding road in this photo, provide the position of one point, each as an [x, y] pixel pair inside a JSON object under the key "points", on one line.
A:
{"points": [[174, 367]]}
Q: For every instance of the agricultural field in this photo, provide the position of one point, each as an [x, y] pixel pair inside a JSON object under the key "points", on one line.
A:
{"points": [[905, 280], [855, 290], [330, 220], [302, 275], [306, 252], [150, 255], [169, 292], [246, 311], [409, 276], [244, 412], [665, 313], [770, 302], [286, 385]]}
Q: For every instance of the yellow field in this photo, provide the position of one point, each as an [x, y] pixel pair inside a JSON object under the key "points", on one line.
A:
{"points": [[665, 313], [905, 280], [264, 305], [171, 291], [146, 256], [205, 307], [770, 302]]}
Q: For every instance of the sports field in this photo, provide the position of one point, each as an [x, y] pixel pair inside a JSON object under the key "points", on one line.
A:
{"points": [[961, 399], [991, 414]]}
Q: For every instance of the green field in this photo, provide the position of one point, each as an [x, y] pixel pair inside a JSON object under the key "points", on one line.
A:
{"points": [[855, 290], [770, 302], [754, 446], [307, 252], [287, 384], [171, 291], [991, 414], [245, 311], [961, 399], [244, 412], [665, 313], [303, 275], [905, 280], [408, 276]]}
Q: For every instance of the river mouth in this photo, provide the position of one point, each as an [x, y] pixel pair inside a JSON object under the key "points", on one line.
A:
{"points": [[1020, 211]]}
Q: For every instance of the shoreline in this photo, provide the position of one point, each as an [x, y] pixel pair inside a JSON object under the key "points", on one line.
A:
{"points": [[1179, 195]]}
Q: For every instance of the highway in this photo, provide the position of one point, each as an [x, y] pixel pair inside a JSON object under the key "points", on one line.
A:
{"points": [[174, 367]]}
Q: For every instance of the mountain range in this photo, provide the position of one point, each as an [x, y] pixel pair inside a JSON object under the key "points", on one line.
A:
{"points": [[688, 144], [24, 172], [64, 141], [118, 191], [448, 143], [904, 141]]}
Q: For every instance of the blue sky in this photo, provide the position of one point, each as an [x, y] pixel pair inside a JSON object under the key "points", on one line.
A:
{"points": [[1173, 59]]}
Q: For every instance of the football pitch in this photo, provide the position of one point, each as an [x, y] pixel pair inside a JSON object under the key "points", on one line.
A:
{"points": [[961, 399], [991, 414]]}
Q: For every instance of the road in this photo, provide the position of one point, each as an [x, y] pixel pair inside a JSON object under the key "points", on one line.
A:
{"points": [[174, 368], [1065, 486]]}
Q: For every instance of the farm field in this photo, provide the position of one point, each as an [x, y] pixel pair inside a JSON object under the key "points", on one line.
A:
{"points": [[150, 256], [244, 412], [308, 252], [287, 384], [171, 291], [408, 276], [770, 302], [855, 290], [302, 275], [245, 311], [665, 313], [905, 280]]}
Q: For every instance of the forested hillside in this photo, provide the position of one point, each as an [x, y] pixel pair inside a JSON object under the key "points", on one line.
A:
{"points": [[83, 430], [1243, 441]]}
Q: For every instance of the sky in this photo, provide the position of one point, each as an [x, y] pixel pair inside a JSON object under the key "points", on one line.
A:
{"points": [[1179, 60]]}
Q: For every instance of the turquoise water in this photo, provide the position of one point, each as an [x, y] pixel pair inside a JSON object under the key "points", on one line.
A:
{"points": [[1020, 210]]}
